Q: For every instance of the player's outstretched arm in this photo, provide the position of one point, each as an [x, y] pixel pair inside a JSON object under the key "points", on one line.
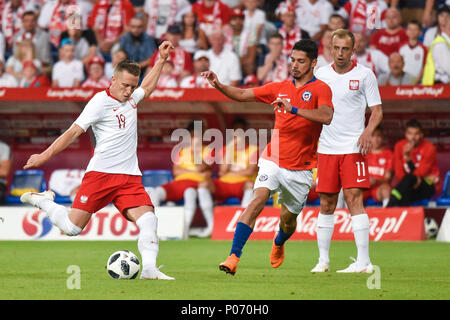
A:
{"points": [[151, 79], [68, 137], [238, 94]]}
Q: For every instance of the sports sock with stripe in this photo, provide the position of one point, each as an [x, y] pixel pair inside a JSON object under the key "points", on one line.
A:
{"points": [[240, 237]]}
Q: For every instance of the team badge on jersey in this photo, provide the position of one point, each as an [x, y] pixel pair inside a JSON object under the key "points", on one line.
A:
{"points": [[133, 103], [353, 84], [306, 96], [263, 177]]}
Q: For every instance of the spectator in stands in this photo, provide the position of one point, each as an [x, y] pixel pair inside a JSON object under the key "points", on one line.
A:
{"points": [[6, 80], [389, 39], [118, 55], [413, 52], [110, 20], [372, 58], [32, 77], [167, 78], [5, 168], [364, 16], [313, 17], [11, 19], [25, 51], [232, 4], [437, 65], [381, 168], [397, 76], [255, 19], [442, 16], [180, 58], [54, 16], [325, 57], [289, 30], [419, 10], [187, 175], [212, 15], [160, 14], [68, 71], [415, 166], [336, 22], [138, 45], [84, 41], [237, 172], [2, 46], [40, 38], [275, 67], [201, 64], [96, 74], [225, 63], [242, 42], [192, 37]]}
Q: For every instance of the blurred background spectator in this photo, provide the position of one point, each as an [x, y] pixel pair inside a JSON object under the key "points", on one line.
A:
{"points": [[313, 16], [388, 39], [289, 30], [254, 21], [2, 47], [32, 78], [442, 16], [118, 55], [96, 74], [192, 38], [11, 19], [211, 14], [396, 76], [413, 52], [372, 58], [6, 80], [68, 71], [167, 79], [275, 67], [325, 56], [364, 16], [5, 168], [201, 64], [25, 52], [419, 10]]}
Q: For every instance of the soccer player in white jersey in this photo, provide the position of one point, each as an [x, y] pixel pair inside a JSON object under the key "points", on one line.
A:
{"points": [[342, 147], [113, 173]]}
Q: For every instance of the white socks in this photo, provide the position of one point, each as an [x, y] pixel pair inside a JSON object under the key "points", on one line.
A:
{"points": [[59, 216], [206, 203], [360, 226], [148, 244], [157, 195], [248, 195], [190, 206], [325, 228]]}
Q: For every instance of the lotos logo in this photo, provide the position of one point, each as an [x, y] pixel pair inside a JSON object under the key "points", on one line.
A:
{"points": [[36, 224]]}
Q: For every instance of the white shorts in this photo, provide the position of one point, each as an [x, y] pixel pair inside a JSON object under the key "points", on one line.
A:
{"points": [[293, 185]]}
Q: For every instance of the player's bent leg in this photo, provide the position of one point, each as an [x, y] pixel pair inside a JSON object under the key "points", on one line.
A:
{"points": [[244, 229], [288, 223], [360, 226], [148, 242]]}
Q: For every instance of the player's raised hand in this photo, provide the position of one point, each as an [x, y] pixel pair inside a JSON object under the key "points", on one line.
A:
{"points": [[282, 103], [165, 48], [35, 161], [211, 77], [365, 142]]}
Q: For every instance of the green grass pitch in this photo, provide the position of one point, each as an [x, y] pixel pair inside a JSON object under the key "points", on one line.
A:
{"points": [[408, 270]]}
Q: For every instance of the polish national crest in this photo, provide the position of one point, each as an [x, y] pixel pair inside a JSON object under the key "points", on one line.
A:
{"points": [[353, 85]]}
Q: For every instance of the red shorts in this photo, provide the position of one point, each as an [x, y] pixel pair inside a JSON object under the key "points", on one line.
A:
{"points": [[336, 171], [225, 190], [175, 189], [98, 189]]}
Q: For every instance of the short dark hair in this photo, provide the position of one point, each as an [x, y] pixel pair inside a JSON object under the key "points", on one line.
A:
{"points": [[29, 13], [276, 35], [308, 46], [417, 23], [130, 66], [413, 123]]}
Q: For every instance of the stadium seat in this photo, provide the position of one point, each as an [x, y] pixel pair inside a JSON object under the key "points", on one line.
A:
{"points": [[314, 203], [24, 181], [155, 178], [444, 199], [420, 203], [372, 203], [232, 202]]}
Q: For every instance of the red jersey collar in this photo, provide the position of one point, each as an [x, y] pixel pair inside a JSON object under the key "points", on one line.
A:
{"points": [[109, 94]]}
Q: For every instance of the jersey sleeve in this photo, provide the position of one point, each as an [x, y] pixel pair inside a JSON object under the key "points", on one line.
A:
{"points": [[325, 96], [266, 93], [371, 90], [92, 112], [426, 164], [138, 94]]}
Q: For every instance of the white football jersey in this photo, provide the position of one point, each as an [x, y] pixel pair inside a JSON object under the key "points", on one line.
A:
{"points": [[352, 93], [114, 124]]}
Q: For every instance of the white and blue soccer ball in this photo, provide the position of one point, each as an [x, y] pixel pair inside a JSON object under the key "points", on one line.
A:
{"points": [[123, 264]]}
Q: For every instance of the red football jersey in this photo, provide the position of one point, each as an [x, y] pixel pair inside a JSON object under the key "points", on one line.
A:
{"points": [[294, 141], [424, 157], [380, 163]]}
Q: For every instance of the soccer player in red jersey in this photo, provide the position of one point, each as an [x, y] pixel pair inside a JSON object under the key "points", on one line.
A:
{"points": [[113, 173], [380, 163], [415, 165], [301, 107], [342, 147]]}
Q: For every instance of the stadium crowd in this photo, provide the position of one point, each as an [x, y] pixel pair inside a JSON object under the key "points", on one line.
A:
{"points": [[72, 43]]}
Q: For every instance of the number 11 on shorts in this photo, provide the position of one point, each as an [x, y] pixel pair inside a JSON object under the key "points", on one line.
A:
{"points": [[360, 167]]}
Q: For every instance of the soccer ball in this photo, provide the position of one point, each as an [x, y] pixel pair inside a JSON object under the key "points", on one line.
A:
{"points": [[123, 264], [431, 227]]}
